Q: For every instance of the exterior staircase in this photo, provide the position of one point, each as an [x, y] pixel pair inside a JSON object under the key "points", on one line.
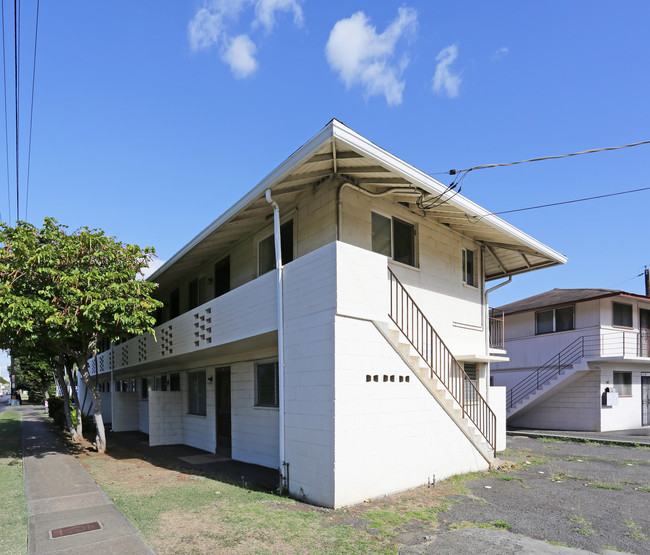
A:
{"points": [[417, 343], [562, 368]]}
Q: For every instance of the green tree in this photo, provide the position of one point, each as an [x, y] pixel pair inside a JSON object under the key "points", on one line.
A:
{"points": [[67, 291], [35, 374]]}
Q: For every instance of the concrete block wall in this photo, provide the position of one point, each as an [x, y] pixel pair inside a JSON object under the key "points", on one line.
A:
{"points": [[576, 406], [165, 417], [126, 416], [391, 434], [454, 309], [200, 430], [310, 304], [255, 431]]}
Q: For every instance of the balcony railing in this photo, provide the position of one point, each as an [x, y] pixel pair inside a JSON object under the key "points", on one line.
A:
{"points": [[496, 329]]}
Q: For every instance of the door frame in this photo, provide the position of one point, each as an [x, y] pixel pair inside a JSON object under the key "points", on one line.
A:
{"points": [[226, 439]]}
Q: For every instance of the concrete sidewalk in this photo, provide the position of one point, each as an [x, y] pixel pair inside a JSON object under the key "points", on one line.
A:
{"points": [[633, 437], [68, 513]]}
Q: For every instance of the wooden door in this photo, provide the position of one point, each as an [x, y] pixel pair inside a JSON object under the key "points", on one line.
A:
{"points": [[224, 422]]}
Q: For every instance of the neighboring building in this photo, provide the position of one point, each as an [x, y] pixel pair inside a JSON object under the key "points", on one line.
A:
{"points": [[579, 360], [338, 401]]}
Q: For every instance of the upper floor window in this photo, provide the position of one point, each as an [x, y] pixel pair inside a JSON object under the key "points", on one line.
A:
{"points": [[266, 249], [469, 268], [393, 238], [174, 304], [222, 277], [622, 315], [555, 319]]}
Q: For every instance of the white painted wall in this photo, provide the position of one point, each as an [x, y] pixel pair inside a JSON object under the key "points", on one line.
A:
{"points": [[497, 401], [254, 429], [126, 412], [627, 414], [165, 417], [310, 303], [574, 407]]}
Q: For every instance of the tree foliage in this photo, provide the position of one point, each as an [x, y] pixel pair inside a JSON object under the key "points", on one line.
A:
{"points": [[63, 292]]}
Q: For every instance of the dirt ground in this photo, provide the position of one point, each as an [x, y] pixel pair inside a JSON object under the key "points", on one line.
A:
{"points": [[588, 496]]}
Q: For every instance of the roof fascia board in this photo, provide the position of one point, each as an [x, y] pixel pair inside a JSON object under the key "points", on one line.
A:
{"points": [[426, 182], [566, 303]]}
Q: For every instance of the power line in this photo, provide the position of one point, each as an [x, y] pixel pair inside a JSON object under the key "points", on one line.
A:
{"points": [[4, 75], [542, 158], [31, 112], [476, 219], [16, 88]]}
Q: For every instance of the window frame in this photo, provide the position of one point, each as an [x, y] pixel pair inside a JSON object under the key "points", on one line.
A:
{"points": [[631, 315], [466, 272], [623, 387], [197, 399], [276, 380], [144, 384], [391, 240], [554, 319], [269, 233]]}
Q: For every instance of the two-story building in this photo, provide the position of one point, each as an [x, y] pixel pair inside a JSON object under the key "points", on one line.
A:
{"points": [[579, 360], [332, 324]]}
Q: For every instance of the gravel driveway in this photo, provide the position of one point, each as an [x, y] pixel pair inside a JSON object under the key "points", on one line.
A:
{"points": [[583, 495]]}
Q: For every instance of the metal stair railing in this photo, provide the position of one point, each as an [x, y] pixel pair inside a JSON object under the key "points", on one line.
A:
{"points": [[566, 358], [412, 322]]}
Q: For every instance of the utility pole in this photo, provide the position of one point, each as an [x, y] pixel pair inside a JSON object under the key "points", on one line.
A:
{"points": [[647, 282]]}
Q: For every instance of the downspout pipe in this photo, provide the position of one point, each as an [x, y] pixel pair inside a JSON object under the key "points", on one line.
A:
{"points": [[279, 268]]}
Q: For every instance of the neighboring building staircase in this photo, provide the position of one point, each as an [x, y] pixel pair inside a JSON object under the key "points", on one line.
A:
{"points": [[416, 341], [561, 368]]}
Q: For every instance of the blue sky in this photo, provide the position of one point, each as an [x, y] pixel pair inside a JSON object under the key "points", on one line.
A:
{"points": [[151, 118]]}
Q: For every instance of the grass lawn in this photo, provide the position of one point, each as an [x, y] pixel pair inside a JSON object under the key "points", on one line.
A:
{"points": [[13, 523], [177, 511]]}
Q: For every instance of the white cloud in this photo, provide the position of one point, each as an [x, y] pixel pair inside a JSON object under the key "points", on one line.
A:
{"points": [[444, 81], [205, 29], [362, 57], [499, 54], [240, 56], [212, 26], [265, 12]]}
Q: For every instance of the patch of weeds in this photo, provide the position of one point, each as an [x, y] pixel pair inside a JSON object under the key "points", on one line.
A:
{"points": [[385, 521], [534, 461], [643, 488], [549, 439], [480, 501], [13, 524], [612, 548], [507, 478], [494, 525], [584, 526], [564, 477], [635, 532], [601, 485], [561, 544]]}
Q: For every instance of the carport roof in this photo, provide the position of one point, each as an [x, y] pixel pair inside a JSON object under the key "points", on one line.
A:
{"points": [[338, 152]]}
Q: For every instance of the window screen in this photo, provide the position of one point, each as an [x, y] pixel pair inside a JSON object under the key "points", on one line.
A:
{"points": [[267, 384], [622, 315]]}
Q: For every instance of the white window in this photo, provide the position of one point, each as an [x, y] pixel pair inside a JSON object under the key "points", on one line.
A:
{"points": [[266, 249], [196, 393], [555, 319], [622, 315], [393, 238], [266, 384], [469, 268], [623, 383]]}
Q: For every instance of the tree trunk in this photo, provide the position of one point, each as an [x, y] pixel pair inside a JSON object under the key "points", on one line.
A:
{"points": [[66, 400], [100, 439], [75, 397]]}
